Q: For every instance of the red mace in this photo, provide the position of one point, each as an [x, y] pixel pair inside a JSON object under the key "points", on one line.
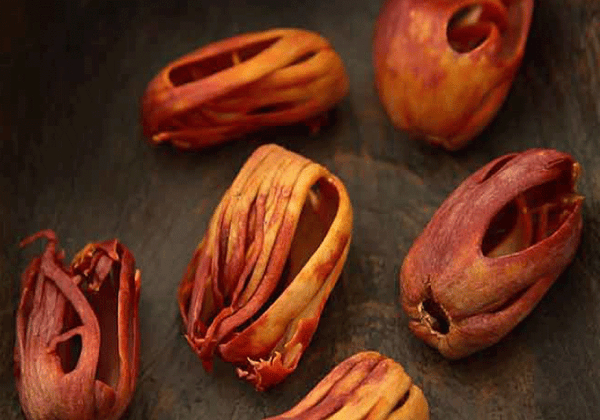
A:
{"points": [[255, 288], [492, 250], [444, 67], [366, 386], [77, 342], [242, 84]]}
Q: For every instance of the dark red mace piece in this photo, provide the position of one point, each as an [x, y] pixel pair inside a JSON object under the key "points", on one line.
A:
{"points": [[492, 250], [77, 340]]}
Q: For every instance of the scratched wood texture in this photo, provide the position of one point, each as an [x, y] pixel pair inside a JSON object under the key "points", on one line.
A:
{"points": [[73, 159]]}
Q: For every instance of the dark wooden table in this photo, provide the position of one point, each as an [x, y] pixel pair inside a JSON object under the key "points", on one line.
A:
{"points": [[73, 159]]}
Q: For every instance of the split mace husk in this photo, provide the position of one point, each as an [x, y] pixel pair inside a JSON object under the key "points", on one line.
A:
{"points": [[77, 344], [257, 283], [366, 386]]}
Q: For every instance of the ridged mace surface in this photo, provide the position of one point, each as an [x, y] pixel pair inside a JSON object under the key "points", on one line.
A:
{"points": [[242, 84], [257, 283], [366, 386]]}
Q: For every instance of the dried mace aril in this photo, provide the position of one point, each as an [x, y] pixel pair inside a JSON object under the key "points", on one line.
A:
{"points": [[492, 250], [444, 67], [242, 84], [257, 283], [364, 386], [77, 345]]}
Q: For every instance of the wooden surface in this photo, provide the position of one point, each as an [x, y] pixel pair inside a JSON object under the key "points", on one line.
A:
{"points": [[73, 159]]}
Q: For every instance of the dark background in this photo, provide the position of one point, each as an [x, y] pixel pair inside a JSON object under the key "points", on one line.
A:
{"points": [[73, 159]]}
